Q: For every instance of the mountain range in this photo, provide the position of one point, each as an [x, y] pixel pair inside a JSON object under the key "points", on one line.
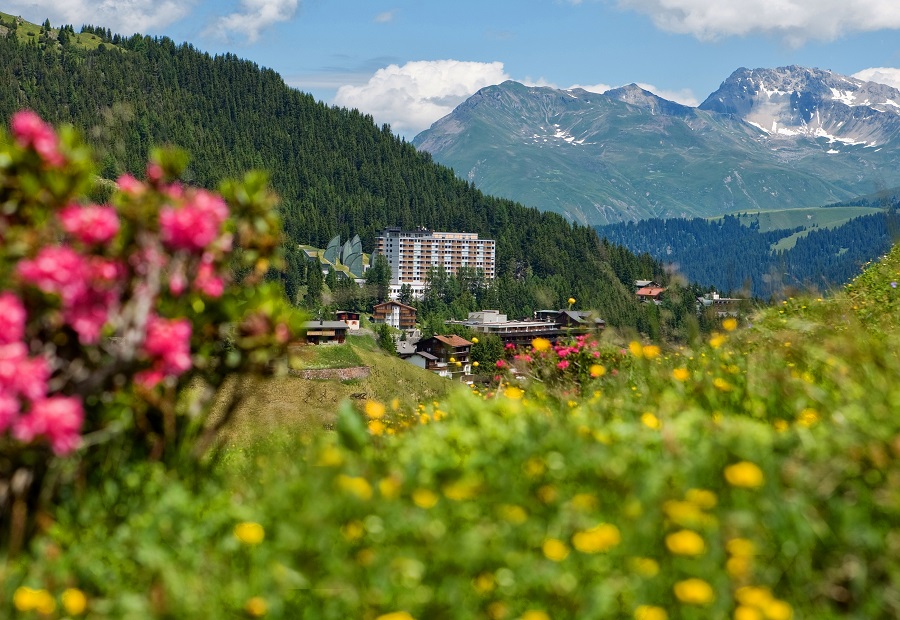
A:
{"points": [[766, 139]]}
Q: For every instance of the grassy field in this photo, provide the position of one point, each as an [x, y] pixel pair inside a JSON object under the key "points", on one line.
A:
{"points": [[308, 406], [27, 31]]}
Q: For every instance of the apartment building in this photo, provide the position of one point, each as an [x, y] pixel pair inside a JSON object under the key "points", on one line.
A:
{"points": [[411, 253]]}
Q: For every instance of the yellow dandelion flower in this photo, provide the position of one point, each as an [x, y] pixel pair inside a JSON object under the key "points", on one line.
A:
{"points": [[484, 583], [389, 488], [681, 374], [374, 409], [597, 371], [780, 425], [685, 542], [701, 497], [535, 614], [571, 301], [74, 601], [777, 610], [461, 490], [425, 498], [740, 547], [396, 615], [330, 456], [376, 427], [716, 341], [730, 324], [808, 417], [650, 612], [475, 365], [354, 485], [514, 393], [555, 550], [541, 344], [249, 533], [353, 531], [686, 514], [598, 539], [645, 567], [744, 474], [722, 385], [694, 592], [738, 567], [29, 599], [475, 340], [747, 613], [585, 502], [651, 351], [534, 467], [395, 404], [512, 513], [636, 349], [256, 607], [753, 596], [650, 421]]}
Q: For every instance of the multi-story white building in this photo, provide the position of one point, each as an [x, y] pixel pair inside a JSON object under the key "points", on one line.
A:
{"points": [[411, 253]]}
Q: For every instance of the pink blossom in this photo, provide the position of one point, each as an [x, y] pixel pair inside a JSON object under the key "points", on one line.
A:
{"points": [[9, 410], [128, 184], [58, 270], [168, 344], [31, 378], [595, 354], [154, 172], [194, 225], [90, 224], [12, 318], [207, 282], [58, 418], [177, 282], [501, 364], [30, 131], [509, 346], [563, 364], [11, 357]]}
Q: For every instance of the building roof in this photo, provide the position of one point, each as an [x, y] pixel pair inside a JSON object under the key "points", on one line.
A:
{"points": [[393, 303], [644, 283], [426, 355], [324, 325], [650, 291], [454, 341]]}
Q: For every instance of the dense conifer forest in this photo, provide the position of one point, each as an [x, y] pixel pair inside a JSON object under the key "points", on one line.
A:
{"points": [[335, 170], [732, 256]]}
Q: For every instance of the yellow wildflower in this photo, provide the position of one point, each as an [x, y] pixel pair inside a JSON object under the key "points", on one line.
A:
{"points": [[474, 340], [729, 324], [512, 513], [585, 502], [571, 301], [777, 610], [780, 425], [513, 392], [753, 596], [374, 409], [352, 531], [650, 421], [249, 533], [717, 340], [681, 374], [461, 490], [29, 599], [555, 550], [722, 385], [651, 351], [484, 583], [425, 498], [808, 417], [645, 567], [685, 542], [738, 567], [684, 513], [74, 601], [330, 457], [541, 344], [702, 498], [389, 487], [535, 614], [650, 612], [636, 349], [376, 427], [256, 607], [598, 539], [740, 547], [357, 486], [396, 615], [744, 474], [597, 371], [694, 592], [747, 613]]}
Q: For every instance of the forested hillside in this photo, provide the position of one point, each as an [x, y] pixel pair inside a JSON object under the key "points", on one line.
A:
{"points": [[335, 170], [733, 256]]}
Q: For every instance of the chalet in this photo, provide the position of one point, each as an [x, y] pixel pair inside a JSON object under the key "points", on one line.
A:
{"points": [[451, 354], [395, 314], [350, 318], [318, 332], [651, 293], [721, 306], [644, 283], [549, 324]]}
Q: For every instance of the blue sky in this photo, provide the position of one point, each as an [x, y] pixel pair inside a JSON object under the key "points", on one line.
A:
{"points": [[409, 62]]}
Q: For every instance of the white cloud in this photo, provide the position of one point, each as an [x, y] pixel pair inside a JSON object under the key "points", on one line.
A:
{"points": [[795, 21], [254, 17], [387, 16], [410, 98], [684, 96], [882, 75], [120, 16], [592, 88]]}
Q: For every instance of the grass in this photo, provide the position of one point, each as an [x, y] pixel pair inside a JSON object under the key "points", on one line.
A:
{"points": [[26, 31]]}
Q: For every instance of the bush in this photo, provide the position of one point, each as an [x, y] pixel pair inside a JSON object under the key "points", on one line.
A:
{"points": [[109, 312]]}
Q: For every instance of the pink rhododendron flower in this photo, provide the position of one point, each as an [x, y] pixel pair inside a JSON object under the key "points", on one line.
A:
{"points": [[12, 319], [207, 282], [563, 364], [90, 224], [31, 378], [59, 270], [58, 418], [194, 225], [168, 344], [130, 185], [501, 364], [9, 410], [11, 356], [30, 131]]}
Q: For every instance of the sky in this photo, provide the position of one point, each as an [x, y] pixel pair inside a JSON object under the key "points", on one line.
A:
{"points": [[410, 62]]}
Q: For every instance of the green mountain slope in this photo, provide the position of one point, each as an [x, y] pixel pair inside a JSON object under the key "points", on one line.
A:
{"points": [[336, 171], [628, 154]]}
